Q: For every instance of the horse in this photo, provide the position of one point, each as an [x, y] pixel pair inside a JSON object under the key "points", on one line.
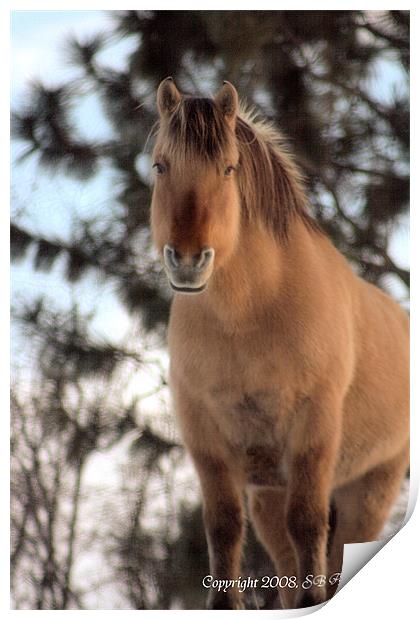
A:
{"points": [[288, 372]]}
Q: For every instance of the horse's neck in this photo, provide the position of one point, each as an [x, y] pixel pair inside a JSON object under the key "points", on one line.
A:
{"points": [[255, 276]]}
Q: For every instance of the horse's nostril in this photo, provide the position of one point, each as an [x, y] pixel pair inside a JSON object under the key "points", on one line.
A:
{"points": [[171, 256], [204, 258]]}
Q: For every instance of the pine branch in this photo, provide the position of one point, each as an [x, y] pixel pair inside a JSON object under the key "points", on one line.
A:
{"points": [[44, 124]]}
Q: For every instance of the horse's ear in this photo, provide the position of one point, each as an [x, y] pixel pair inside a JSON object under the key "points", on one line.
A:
{"points": [[227, 102], [168, 97]]}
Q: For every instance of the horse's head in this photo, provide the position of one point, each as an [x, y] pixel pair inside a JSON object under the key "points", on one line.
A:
{"points": [[195, 205]]}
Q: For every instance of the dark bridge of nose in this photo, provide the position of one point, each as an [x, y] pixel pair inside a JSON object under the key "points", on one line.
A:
{"points": [[198, 262]]}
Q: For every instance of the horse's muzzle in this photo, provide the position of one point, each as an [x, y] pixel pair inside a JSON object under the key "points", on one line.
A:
{"points": [[188, 273]]}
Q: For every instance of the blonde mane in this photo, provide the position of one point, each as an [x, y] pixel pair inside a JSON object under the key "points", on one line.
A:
{"points": [[270, 183]]}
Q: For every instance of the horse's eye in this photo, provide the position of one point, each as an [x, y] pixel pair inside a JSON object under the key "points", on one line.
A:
{"points": [[160, 168], [229, 170]]}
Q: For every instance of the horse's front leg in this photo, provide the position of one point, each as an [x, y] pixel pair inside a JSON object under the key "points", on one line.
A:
{"points": [[224, 523], [310, 479]]}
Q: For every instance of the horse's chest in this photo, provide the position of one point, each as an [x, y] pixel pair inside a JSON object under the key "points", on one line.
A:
{"points": [[244, 390], [245, 414], [253, 426]]}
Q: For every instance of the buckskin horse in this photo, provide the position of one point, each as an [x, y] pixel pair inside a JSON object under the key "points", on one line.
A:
{"points": [[289, 373]]}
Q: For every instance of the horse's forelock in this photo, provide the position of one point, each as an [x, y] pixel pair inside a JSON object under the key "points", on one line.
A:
{"points": [[197, 129]]}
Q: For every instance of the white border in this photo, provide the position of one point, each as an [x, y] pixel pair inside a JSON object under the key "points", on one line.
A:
{"points": [[386, 586]]}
